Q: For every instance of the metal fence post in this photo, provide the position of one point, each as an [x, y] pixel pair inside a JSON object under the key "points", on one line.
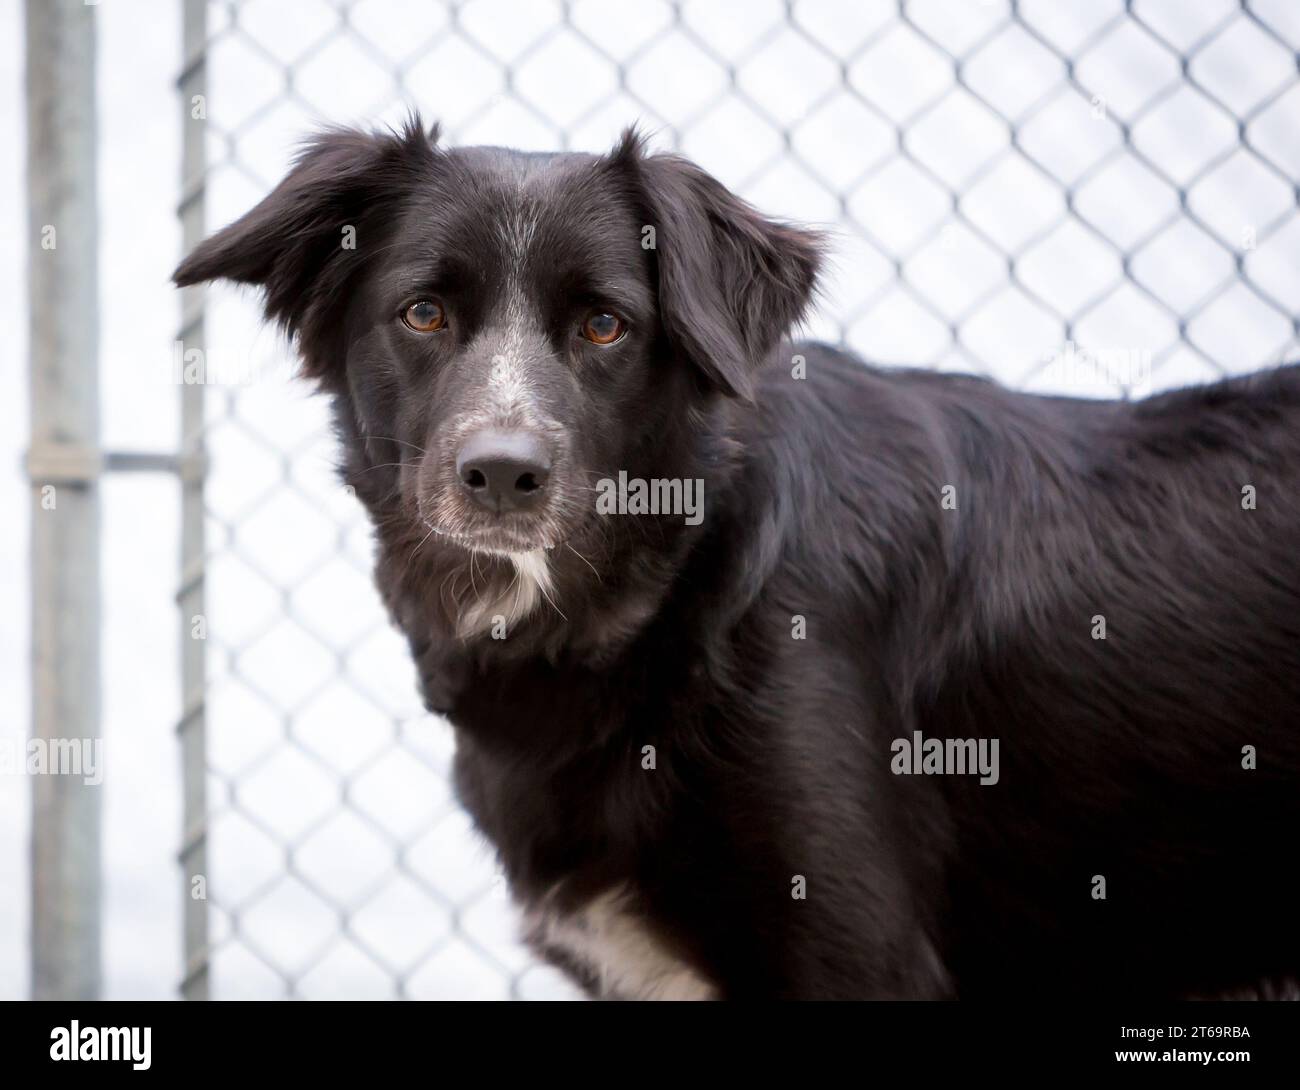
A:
{"points": [[190, 595], [63, 464]]}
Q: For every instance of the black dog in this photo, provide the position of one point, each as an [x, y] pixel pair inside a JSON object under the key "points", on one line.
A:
{"points": [[706, 741]]}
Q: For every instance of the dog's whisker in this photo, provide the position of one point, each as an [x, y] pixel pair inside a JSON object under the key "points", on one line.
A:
{"points": [[403, 442], [387, 465], [584, 560]]}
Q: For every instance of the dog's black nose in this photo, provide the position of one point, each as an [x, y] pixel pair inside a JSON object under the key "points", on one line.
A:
{"points": [[504, 470]]}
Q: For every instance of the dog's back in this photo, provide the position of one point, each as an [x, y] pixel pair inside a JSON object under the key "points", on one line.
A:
{"points": [[1110, 590]]}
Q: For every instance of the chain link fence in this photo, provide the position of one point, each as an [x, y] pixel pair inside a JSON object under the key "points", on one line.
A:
{"points": [[1079, 196]]}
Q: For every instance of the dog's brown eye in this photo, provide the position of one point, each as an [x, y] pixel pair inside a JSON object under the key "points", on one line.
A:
{"points": [[601, 327], [426, 316]]}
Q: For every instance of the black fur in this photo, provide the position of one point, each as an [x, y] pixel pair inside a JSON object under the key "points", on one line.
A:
{"points": [[1120, 757]]}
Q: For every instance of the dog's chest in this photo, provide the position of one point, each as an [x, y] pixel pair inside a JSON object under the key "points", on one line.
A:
{"points": [[568, 829], [570, 811], [609, 946]]}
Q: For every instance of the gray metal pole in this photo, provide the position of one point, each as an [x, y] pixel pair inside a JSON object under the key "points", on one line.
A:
{"points": [[190, 596], [64, 463]]}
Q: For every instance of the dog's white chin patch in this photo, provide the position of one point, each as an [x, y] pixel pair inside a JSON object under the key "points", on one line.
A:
{"points": [[534, 569], [509, 602]]}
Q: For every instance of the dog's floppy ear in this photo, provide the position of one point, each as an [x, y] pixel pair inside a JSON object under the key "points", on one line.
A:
{"points": [[731, 281], [296, 245]]}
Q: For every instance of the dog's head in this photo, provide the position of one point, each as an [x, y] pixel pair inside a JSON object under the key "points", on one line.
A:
{"points": [[501, 329]]}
